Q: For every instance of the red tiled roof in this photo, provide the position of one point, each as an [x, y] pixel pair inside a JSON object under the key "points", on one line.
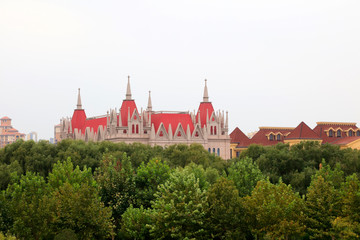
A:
{"points": [[344, 141], [303, 131], [78, 120], [322, 128], [204, 109], [261, 136], [5, 118], [126, 105], [237, 136], [174, 119], [95, 123]]}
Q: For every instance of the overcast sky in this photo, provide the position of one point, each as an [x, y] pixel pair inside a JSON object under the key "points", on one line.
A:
{"points": [[269, 63]]}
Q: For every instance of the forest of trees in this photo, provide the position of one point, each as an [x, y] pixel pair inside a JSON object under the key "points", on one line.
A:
{"points": [[78, 190]]}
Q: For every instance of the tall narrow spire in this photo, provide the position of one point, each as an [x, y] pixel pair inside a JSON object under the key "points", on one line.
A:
{"points": [[149, 107], [79, 106], [206, 94], [128, 90]]}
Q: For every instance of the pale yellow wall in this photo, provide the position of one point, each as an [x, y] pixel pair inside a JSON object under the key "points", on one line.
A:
{"points": [[296, 141], [354, 145]]}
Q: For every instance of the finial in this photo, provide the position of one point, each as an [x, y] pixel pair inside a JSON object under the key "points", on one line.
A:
{"points": [[79, 106], [149, 107], [206, 94], [128, 90]]}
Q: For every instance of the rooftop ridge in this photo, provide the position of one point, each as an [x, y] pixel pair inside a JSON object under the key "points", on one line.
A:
{"points": [[276, 128], [336, 123]]}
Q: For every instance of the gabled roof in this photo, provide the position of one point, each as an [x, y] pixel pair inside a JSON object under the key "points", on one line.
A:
{"points": [[126, 105], [237, 136], [172, 118], [205, 108], [323, 127], [303, 131]]}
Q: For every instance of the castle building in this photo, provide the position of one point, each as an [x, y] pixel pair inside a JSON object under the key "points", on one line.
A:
{"points": [[343, 134], [8, 134], [206, 126]]}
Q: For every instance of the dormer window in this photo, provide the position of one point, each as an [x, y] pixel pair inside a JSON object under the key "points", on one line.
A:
{"points": [[338, 133], [331, 133], [271, 137], [351, 133], [358, 133], [278, 137]]}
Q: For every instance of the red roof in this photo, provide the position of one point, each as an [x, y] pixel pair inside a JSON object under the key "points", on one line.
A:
{"points": [[78, 120], [344, 141], [322, 129], [174, 119], [204, 109], [237, 136], [303, 131], [126, 105], [5, 118], [261, 137], [95, 123]]}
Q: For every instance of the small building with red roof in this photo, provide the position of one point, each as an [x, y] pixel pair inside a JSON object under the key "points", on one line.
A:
{"points": [[163, 128]]}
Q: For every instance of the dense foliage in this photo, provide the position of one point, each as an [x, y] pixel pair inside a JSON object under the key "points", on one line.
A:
{"points": [[78, 190]]}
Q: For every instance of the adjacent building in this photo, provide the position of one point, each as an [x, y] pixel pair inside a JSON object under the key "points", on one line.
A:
{"points": [[8, 134], [204, 126], [343, 134]]}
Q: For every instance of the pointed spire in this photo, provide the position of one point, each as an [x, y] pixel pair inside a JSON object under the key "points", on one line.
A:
{"points": [[79, 106], [128, 90], [227, 120], [206, 94], [149, 107]]}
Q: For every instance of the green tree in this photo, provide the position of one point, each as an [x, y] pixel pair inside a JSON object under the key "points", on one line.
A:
{"points": [[179, 208], [116, 180], [147, 179], [322, 207], [225, 215], [245, 174], [134, 223], [275, 211]]}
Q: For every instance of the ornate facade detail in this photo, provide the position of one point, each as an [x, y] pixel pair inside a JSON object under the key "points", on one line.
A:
{"points": [[206, 126]]}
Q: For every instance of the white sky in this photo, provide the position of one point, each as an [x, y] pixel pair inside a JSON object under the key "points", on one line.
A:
{"points": [[269, 63]]}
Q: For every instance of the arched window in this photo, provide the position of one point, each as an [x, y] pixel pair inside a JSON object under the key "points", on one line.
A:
{"points": [[196, 134], [133, 128], [211, 130], [209, 150], [213, 150], [161, 134], [137, 128], [330, 133], [215, 130], [179, 134], [278, 137], [338, 133], [358, 133], [218, 151], [351, 133], [271, 137]]}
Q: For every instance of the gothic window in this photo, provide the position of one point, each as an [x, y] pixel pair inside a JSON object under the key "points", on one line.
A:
{"points": [[179, 134], [338, 133], [133, 128], [124, 131], [134, 117], [196, 134], [218, 151], [215, 130], [137, 128], [211, 130], [161, 134], [330, 133]]}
